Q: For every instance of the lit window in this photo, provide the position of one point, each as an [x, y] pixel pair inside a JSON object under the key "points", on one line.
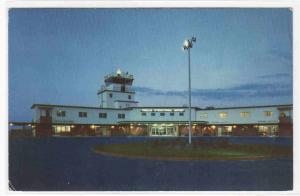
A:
{"points": [[172, 114], [82, 114], [223, 114], [268, 113], [153, 114], [181, 114], [162, 114], [203, 115], [61, 113], [121, 115], [102, 115], [144, 113], [245, 114]]}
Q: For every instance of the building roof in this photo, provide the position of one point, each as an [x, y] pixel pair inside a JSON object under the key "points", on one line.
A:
{"points": [[75, 106], [171, 107], [101, 91], [241, 107]]}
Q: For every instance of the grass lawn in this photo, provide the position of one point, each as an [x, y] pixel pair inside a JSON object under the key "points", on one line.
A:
{"points": [[199, 150]]}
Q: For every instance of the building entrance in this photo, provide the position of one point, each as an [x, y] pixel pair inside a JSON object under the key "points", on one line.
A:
{"points": [[163, 130]]}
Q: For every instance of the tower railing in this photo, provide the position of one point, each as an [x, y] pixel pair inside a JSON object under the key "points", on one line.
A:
{"points": [[123, 75]]}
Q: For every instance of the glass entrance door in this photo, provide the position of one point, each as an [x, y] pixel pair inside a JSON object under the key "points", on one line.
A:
{"points": [[163, 130]]}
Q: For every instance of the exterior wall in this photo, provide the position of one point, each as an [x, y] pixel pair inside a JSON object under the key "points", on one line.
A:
{"points": [[136, 115], [256, 116], [72, 115], [134, 123], [109, 102], [124, 104]]}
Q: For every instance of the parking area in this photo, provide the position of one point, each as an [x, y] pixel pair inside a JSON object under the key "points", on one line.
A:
{"points": [[67, 163]]}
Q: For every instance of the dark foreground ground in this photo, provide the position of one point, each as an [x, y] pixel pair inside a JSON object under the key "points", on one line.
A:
{"points": [[57, 164]]}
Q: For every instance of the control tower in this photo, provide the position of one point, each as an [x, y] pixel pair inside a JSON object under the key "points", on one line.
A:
{"points": [[117, 91]]}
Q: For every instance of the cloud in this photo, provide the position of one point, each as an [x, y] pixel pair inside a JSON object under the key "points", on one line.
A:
{"points": [[286, 55], [251, 90], [274, 76]]}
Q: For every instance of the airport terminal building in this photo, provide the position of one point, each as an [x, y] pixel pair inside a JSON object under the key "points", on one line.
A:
{"points": [[118, 114]]}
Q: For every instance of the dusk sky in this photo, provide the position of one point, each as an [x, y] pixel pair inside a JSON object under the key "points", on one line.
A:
{"points": [[242, 57]]}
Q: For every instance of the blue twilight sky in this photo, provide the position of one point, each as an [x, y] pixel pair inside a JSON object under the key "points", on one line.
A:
{"points": [[60, 56]]}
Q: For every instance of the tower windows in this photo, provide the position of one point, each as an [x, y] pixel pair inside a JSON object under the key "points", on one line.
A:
{"points": [[110, 95], [123, 88], [144, 113], [152, 113], [162, 114], [181, 114], [171, 113], [129, 96]]}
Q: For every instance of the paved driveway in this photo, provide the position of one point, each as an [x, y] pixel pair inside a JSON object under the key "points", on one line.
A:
{"points": [[68, 164]]}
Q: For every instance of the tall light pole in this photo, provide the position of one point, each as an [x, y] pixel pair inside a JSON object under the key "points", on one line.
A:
{"points": [[187, 45]]}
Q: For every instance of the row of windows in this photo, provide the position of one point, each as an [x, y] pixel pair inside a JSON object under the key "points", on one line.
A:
{"points": [[111, 95], [162, 114], [222, 115], [242, 114], [84, 114]]}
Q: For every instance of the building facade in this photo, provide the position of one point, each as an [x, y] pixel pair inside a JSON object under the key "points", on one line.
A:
{"points": [[119, 114]]}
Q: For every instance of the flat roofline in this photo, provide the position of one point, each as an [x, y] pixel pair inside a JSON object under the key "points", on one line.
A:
{"points": [[162, 121], [241, 107], [171, 107], [75, 106], [217, 108], [101, 91]]}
